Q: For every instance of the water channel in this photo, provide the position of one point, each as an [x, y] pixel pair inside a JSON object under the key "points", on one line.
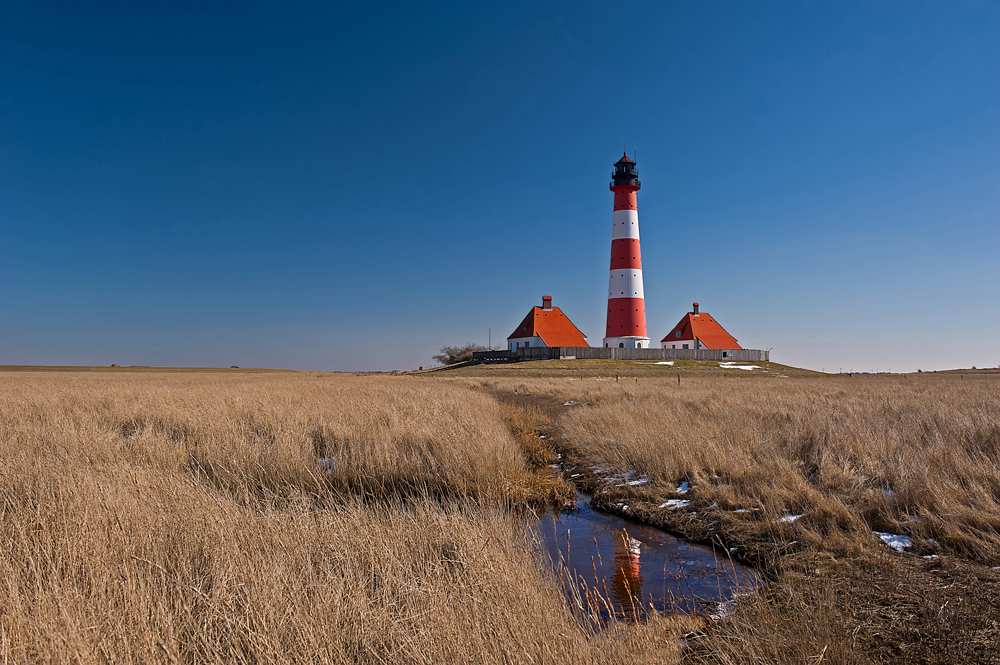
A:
{"points": [[614, 567]]}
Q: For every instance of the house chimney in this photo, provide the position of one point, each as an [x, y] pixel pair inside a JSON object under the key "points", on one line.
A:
{"points": [[546, 302], [695, 308]]}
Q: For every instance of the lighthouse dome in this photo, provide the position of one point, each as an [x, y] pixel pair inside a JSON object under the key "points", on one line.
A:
{"points": [[625, 174]]}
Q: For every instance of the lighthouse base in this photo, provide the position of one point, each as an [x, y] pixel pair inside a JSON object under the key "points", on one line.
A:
{"points": [[627, 342]]}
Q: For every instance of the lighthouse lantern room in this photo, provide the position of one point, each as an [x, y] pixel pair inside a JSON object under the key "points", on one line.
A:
{"points": [[626, 304]]}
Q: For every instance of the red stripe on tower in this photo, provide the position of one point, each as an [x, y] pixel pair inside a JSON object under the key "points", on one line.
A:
{"points": [[626, 304]]}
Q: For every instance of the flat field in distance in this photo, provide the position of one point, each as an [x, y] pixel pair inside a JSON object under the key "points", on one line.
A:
{"points": [[237, 516]]}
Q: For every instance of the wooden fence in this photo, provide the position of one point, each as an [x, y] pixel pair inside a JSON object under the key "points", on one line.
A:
{"points": [[614, 353]]}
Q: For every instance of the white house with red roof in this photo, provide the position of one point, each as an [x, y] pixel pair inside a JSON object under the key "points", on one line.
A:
{"points": [[546, 326], [698, 330]]}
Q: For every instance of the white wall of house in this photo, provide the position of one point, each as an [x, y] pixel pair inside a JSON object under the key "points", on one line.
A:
{"points": [[627, 342], [682, 344], [521, 342]]}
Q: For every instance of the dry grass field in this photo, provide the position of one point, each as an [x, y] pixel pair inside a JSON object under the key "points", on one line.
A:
{"points": [[164, 517], [182, 517], [795, 475]]}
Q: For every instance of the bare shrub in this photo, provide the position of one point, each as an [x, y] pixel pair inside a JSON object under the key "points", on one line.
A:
{"points": [[458, 354]]}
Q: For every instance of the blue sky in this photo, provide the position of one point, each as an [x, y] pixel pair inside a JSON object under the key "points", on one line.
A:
{"points": [[353, 187]]}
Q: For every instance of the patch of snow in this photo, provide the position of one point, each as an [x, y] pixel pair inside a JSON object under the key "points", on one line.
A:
{"points": [[621, 479], [788, 519], [724, 610], [569, 403], [574, 475], [542, 436], [731, 365], [624, 508], [931, 556], [641, 481], [727, 607], [683, 487], [741, 510], [896, 542], [675, 503]]}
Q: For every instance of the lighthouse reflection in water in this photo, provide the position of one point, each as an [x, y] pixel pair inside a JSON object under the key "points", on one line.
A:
{"points": [[622, 569]]}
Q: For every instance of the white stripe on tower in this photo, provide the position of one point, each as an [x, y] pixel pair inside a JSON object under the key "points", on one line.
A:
{"points": [[625, 284], [625, 224], [626, 302]]}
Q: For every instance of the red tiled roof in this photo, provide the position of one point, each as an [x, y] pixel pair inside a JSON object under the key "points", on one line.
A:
{"points": [[552, 326], [705, 329], [625, 159]]}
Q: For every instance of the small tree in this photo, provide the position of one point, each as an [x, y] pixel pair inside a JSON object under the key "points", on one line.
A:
{"points": [[458, 354]]}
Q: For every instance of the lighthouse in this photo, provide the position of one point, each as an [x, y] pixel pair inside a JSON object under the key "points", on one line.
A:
{"points": [[626, 305]]}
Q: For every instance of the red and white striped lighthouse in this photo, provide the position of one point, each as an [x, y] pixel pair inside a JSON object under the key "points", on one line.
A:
{"points": [[626, 305]]}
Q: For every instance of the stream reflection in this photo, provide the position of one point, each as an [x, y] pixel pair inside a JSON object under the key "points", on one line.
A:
{"points": [[623, 568]]}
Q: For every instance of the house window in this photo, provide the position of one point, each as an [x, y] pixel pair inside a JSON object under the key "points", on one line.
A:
{"points": [[685, 346], [677, 334], [621, 345], [725, 354], [674, 346]]}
